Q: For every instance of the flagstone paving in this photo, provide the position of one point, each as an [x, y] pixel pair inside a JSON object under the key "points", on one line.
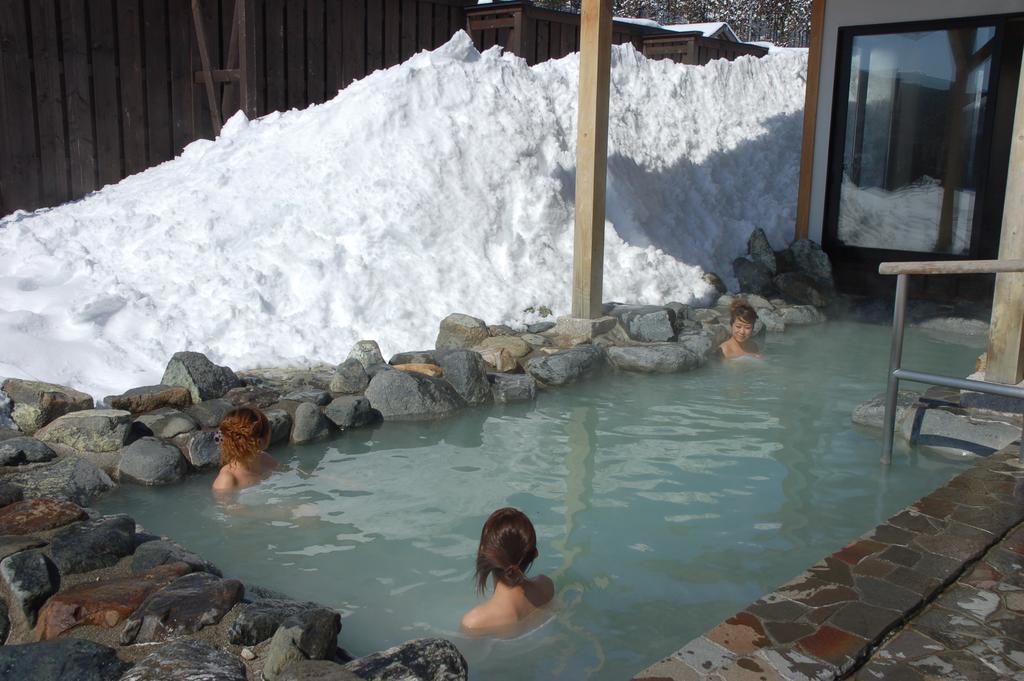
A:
{"points": [[937, 591]]}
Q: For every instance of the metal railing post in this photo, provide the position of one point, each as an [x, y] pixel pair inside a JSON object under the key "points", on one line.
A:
{"points": [[895, 357]]}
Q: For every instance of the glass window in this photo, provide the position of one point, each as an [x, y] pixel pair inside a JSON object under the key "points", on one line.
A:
{"points": [[915, 113]]}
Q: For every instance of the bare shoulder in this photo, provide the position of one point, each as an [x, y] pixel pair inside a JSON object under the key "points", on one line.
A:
{"points": [[474, 620], [225, 480]]}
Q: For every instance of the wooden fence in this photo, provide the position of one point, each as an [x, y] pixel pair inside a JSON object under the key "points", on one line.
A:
{"points": [[92, 91]]}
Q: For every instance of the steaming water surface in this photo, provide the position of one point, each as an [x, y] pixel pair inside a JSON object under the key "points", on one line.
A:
{"points": [[663, 504]]}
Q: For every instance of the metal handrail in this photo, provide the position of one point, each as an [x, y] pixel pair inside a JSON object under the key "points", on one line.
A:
{"points": [[903, 270]]}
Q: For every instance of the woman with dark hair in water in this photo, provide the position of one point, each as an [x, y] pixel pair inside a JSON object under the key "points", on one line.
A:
{"points": [[741, 326], [508, 546], [244, 434]]}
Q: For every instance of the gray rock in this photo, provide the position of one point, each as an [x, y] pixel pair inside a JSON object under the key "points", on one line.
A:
{"points": [[168, 423], [151, 461], [308, 635], [314, 395], [188, 660], [309, 424], [872, 412], [704, 314], [681, 314], [719, 333], [654, 358], [350, 411], [539, 327], [772, 320], [253, 396], [256, 622], [809, 259], [700, 343], [150, 398], [466, 371], [579, 329], [715, 282], [203, 449], [349, 378], [183, 607], [753, 277], [367, 353], [93, 430], [408, 395], [760, 250], [93, 544], [21, 450], [646, 323], [208, 414], [514, 345], [537, 341], [9, 494], [801, 315], [11, 544], [163, 552], [414, 357], [800, 288], [459, 331], [944, 430], [757, 302], [8, 433], [566, 366], [280, 425], [66, 659], [69, 479], [424, 659], [317, 670], [497, 330], [375, 369], [508, 388], [31, 578], [5, 625], [203, 379], [37, 403]]}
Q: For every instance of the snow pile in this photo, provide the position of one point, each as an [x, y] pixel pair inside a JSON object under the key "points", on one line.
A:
{"points": [[445, 184]]}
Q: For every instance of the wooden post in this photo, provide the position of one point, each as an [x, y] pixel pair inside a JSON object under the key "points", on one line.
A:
{"points": [[803, 201], [207, 72], [591, 157], [1006, 335]]}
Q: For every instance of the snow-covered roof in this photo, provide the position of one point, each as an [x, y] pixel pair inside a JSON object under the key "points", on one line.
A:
{"points": [[712, 29]]}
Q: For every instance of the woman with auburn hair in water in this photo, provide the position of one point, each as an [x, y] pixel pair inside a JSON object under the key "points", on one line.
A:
{"points": [[508, 546], [741, 325], [244, 434]]}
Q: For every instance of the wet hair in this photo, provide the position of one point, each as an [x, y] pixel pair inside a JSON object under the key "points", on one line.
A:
{"points": [[243, 432], [742, 310], [508, 546]]}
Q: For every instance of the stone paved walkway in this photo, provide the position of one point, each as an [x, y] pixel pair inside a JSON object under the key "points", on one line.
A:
{"points": [[909, 600]]}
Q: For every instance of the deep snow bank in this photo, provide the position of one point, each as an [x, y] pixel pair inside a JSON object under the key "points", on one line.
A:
{"points": [[444, 184]]}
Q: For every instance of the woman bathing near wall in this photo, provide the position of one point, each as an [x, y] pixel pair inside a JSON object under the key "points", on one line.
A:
{"points": [[508, 546]]}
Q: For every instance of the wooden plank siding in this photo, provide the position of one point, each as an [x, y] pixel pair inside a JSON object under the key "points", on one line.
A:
{"points": [[92, 91]]}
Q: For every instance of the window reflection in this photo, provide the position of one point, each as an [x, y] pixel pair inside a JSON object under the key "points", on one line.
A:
{"points": [[916, 109]]}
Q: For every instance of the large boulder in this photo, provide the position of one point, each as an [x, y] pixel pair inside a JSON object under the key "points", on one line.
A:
{"points": [[150, 398], [68, 659], [569, 331], [424, 659], [183, 607], [646, 323], [466, 372], [414, 357], [801, 315], [188, 660], [508, 388], [350, 411], [406, 395], [800, 288], [159, 552], [315, 395], [71, 479], [349, 378], [280, 426], [809, 259], [253, 396], [367, 353], [168, 423], [151, 461], [9, 493], [700, 343], [91, 430], [514, 345], [460, 331], [760, 250], [37, 403], [203, 448], [257, 622], [566, 366], [654, 358], [93, 544], [753, 277], [30, 577], [209, 414], [307, 635], [16, 451], [38, 515], [309, 424], [203, 379]]}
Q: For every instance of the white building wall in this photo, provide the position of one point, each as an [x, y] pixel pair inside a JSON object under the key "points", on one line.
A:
{"points": [[843, 13]]}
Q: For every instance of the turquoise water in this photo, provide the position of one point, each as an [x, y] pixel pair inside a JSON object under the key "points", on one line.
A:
{"points": [[663, 504]]}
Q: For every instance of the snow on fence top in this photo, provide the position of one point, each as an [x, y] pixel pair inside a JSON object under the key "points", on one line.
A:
{"points": [[444, 184]]}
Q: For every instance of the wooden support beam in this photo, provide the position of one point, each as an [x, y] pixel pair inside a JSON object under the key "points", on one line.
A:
{"points": [[803, 200], [204, 57], [1006, 333], [591, 158]]}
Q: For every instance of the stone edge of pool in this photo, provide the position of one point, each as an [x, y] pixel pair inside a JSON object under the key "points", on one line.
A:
{"points": [[828, 621]]}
